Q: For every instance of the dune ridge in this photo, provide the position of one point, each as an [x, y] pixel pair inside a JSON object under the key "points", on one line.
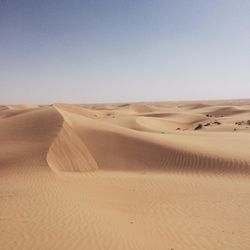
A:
{"points": [[126, 149], [69, 153]]}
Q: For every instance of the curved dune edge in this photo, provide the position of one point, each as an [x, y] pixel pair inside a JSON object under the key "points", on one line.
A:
{"points": [[26, 137], [68, 153], [85, 144]]}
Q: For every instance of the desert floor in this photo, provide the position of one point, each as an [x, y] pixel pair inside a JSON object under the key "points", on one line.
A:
{"points": [[125, 176]]}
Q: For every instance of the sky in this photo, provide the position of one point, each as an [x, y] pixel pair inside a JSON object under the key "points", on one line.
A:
{"points": [[123, 50]]}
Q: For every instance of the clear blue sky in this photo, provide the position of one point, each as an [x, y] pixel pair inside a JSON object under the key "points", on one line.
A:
{"points": [[119, 51]]}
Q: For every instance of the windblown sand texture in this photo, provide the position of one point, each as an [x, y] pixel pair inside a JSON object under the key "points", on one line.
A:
{"points": [[125, 176]]}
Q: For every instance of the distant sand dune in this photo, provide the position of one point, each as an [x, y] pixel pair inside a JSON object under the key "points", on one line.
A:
{"points": [[22, 106], [223, 111], [140, 108]]}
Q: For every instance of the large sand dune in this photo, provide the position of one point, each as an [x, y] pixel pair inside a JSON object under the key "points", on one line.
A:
{"points": [[125, 176]]}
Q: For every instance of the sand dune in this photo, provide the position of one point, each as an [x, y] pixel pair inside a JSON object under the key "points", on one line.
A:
{"points": [[125, 176], [222, 111], [69, 153], [22, 106], [27, 136], [140, 108]]}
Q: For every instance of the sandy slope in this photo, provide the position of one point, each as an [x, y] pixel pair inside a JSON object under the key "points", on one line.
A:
{"points": [[125, 176]]}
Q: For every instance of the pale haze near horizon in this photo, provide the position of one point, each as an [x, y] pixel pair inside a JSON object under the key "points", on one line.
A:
{"points": [[123, 51]]}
